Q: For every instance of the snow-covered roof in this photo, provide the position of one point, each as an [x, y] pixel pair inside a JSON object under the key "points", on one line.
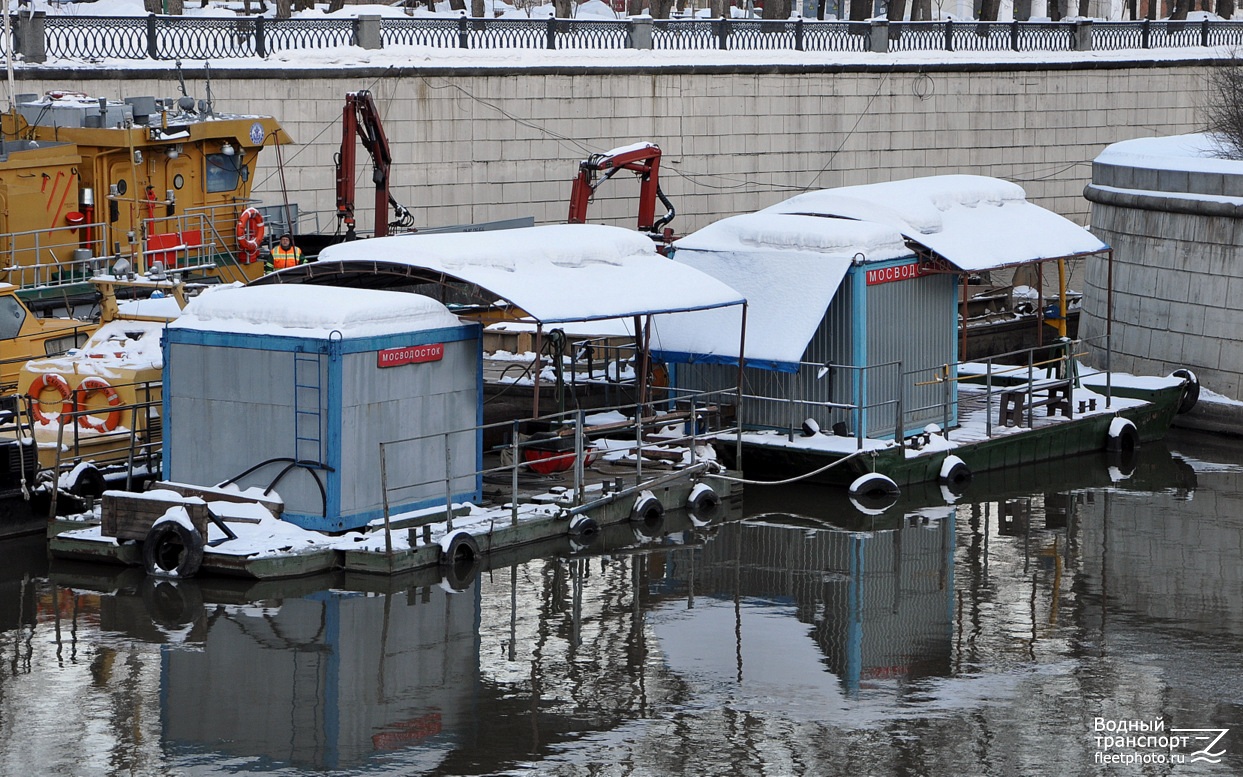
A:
{"points": [[313, 311], [556, 274], [788, 267], [975, 222], [788, 260], [1197, 152]]}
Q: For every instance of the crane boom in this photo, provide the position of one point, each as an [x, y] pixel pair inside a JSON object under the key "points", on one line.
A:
{"points": [[642, 159], [360, 118]]}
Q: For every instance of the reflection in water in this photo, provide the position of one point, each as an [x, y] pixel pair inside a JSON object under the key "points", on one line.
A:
{"points": [[983, 637]]}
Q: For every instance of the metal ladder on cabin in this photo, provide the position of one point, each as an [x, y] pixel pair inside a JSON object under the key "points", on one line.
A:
{"points": [[307, 389]]}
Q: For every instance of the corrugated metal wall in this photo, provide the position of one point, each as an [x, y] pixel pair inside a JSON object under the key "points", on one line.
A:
{"points": [[909, 321], [214, 433], [399, 403], [915, 322]]}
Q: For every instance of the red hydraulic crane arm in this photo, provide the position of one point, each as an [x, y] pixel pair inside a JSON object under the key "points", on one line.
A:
{"points": [[360, 118], [641, 159]]}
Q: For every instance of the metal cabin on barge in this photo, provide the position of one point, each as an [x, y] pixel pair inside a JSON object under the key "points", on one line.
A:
{"points": [[853, 329]]}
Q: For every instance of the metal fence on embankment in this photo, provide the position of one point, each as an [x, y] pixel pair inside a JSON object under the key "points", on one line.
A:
{"points": [[38, 37]]}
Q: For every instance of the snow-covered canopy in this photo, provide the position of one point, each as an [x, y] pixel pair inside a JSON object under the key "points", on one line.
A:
{"points": [[554, 274], [1197, 152], [789, 259], [788, 267], [975, 222], [311, 311]]}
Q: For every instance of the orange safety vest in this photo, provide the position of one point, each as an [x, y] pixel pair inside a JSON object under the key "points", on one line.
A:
{"points": [[282, 258]]}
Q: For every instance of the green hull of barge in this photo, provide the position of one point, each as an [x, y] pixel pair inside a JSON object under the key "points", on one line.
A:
{"points": [[1068, 437]]}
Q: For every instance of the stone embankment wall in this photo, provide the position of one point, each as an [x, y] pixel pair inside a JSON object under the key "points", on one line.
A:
{"points": [[1178, 245], [484, 144]]}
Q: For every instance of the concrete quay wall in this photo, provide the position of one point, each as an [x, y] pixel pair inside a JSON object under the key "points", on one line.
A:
{"points": [[1178, 247], [484, 144]]}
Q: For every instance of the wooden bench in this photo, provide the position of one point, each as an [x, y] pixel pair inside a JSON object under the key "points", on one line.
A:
{"points": [[1053, 393]]}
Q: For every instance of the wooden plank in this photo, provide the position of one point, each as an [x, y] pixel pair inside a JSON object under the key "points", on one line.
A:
{"points": [[211, 494], [130, 516]]}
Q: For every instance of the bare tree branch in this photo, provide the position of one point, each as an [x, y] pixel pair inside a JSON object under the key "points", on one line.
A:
{"points": [[1223, 110]]}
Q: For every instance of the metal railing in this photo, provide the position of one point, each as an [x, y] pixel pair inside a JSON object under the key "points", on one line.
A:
{"points": [[94, 38], [1026, 371], [852, 416], [697, 412], [131, 447], [201, 238]]}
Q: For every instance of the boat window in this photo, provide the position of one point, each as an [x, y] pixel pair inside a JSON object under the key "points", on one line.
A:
{"points": [[12, 315], [223, 172]]}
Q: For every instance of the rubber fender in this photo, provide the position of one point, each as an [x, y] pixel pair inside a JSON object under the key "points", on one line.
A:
{"points": [[1123, 437], [1191, 389], [874, 491], [89, 483], [172, 549], [954, 475], [703, 504], [460, 561], [582, 526], [647, 509]]}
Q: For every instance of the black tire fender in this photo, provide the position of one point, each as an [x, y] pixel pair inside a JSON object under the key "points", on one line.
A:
{"points": [[703, 504], [1191, 389], [172, 549], [583, 527], [647, 516], [874, 491], [647, 509], [1122, 438], [955, 475], [460, 560], [89, 483]]}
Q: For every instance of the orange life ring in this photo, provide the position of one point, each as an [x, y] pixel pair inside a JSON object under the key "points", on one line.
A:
{"points": [[249, 234], [49, 380], [109, 422]]}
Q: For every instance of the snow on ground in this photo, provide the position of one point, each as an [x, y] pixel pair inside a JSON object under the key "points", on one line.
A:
{"points": [[422, 56]]}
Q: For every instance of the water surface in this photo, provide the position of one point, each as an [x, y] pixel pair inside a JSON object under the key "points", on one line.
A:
{"points": [[998, 635]]}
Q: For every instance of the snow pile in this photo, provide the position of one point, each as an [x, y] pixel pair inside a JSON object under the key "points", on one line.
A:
{"points": [[1198, 153], [117, 346], [314, 311]]}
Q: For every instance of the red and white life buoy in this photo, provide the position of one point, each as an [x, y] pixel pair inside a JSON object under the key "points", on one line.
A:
{"points": [[250, 232], [45, 381], [109, 422]]}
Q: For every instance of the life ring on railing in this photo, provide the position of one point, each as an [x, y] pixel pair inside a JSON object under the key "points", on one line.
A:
{"points": [[49, 380], [109, 422], [250, 232]]}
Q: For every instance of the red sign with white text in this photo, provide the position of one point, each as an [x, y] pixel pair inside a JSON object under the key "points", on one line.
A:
{"points": [[413, 354], [901, 272]]}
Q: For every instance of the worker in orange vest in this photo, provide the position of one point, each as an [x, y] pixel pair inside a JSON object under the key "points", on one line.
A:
{"points": [[284, 254]]}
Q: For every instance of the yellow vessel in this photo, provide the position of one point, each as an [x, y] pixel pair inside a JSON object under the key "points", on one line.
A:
{"points": [[89, 182], [97, 407], [25, 336]]}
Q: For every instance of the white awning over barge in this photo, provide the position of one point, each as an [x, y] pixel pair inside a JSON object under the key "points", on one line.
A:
{"points": [[789, 268], [974, 222], [555, 275], [789, 259]]}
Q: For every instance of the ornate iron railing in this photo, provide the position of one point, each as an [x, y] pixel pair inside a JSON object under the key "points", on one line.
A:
{"points": [[95, 38]]}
